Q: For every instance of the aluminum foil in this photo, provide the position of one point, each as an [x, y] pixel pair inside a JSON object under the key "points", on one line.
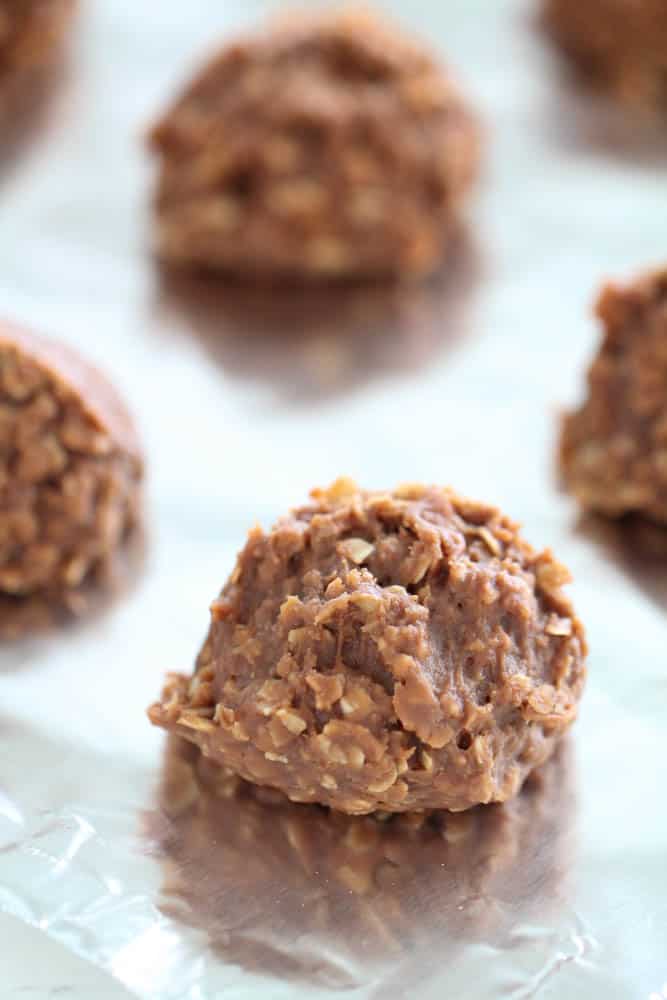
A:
{"points": [[180, 882]]}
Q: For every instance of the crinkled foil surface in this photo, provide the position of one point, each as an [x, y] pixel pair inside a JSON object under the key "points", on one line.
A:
{"points": [[174, 879]]}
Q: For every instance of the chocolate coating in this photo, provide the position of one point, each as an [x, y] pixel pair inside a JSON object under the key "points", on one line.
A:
{"points": [[390, 651]]}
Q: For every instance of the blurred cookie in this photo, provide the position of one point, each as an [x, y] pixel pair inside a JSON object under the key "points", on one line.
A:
{"points": [[613, 449], [619, 45], [31, 33], [385, 651], [70, 472], [327, 145]]}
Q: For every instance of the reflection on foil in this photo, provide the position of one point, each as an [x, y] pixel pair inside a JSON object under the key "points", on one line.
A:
{"points": [[322, 340], [307, 894]]}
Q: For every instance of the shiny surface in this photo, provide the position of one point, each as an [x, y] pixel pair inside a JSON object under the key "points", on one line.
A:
{"points": [[109, 842]]}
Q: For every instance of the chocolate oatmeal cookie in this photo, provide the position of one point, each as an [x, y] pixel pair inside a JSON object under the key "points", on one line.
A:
{"points": [[325, 146], [390, 651], [70, 472], [619, 45], [31, 32], [613, 450]]}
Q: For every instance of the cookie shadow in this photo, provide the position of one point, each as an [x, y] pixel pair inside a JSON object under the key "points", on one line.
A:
{"points": [[306, 894], [636, 546], [314, 342]]}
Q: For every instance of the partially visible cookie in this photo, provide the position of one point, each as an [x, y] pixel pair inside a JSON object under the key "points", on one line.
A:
{"points": [[619, 45], [326, 145], [31, 33], [70, 470], [613, 449]]}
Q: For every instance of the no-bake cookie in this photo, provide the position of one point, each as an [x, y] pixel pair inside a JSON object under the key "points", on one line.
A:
{"points": [[619, 45], [31, 32], [613, 450], [385, 651], [324, 146], [70, 468]]}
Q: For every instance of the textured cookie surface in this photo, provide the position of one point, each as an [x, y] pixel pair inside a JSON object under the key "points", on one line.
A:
{"points": [[391, 651], [327, 145]]}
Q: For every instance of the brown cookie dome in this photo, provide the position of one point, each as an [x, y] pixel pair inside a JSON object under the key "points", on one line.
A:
{"points": [[390, 651], [70, 470], [326, 145], [619, 45], [613, 449], [31, 32]]}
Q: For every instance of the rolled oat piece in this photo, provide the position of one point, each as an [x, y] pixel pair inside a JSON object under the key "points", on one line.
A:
{"points": [[619, 45], [385, 651], [613, 449], [31, 34], [326, 145], [71, 468]]}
